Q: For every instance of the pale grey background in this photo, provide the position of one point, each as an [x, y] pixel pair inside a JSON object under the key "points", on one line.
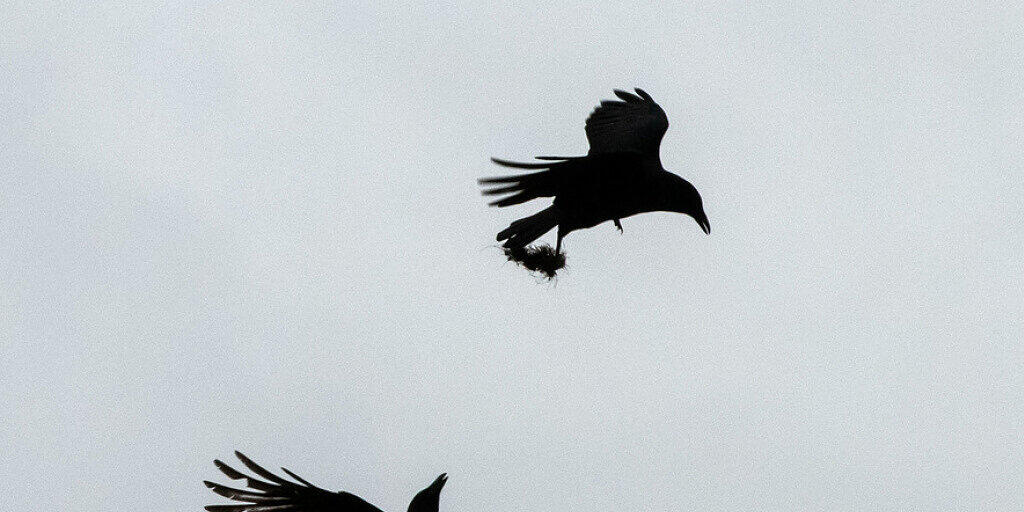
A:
{"points": [[228, 226]]}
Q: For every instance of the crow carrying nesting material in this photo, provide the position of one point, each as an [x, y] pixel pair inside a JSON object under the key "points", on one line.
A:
{"points": [[620, 176], [543, 259]]}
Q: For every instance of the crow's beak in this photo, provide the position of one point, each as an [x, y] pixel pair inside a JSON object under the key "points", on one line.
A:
{"points": [[704, 224], [441, 480]]}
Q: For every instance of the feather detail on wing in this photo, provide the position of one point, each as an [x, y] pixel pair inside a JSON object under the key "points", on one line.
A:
{"points": [[634, 124], [573, 174], [276, 494], [521, 188]]}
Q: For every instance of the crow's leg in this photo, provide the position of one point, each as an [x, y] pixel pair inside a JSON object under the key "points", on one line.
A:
{"points": [[618, 225], [558, 244]]}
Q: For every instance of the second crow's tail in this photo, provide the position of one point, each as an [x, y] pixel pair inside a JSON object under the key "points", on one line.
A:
{"points": [[523, 231]]}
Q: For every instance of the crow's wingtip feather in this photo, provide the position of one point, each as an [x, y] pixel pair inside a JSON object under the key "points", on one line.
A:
{"points": [[296, 477], [231, 472]]}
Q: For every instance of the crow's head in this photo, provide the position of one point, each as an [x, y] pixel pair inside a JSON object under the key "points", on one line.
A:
{"points": [[427, 500], [680, 196]]}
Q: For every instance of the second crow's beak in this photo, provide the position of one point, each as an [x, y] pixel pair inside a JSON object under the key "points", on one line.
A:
{"points": [[704, 224], [440, 481]]}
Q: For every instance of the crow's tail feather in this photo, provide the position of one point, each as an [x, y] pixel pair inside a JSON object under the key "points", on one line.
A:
{"points": [[520, 233]]}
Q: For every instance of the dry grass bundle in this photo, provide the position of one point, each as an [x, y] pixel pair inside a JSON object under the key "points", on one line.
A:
{"points": [[541, 259]]}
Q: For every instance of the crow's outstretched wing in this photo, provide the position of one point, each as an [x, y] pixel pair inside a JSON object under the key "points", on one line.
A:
{"points": [[523, 187], [275, 494], [561, 174], [634, 124]]}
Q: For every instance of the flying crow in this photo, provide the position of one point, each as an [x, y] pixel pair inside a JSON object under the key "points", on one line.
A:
{"points": [[620, 176], [277, 494]]}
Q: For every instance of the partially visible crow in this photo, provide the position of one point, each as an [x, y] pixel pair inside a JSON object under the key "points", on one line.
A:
{"points": [[278, 494], [620, 176]]}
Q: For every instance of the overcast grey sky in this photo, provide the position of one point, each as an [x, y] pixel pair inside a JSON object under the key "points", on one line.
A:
{"points": [[228, 226]]}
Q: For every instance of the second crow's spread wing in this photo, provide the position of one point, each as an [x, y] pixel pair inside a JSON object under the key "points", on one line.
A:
{"points": [[279, 495], [635, 124]]}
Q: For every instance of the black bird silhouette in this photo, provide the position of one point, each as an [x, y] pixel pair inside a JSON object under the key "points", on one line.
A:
{"points": [[280, 495], [620, 176]]}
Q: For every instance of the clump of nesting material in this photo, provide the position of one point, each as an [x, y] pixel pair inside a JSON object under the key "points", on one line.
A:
{"points": [[542, 259]]}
